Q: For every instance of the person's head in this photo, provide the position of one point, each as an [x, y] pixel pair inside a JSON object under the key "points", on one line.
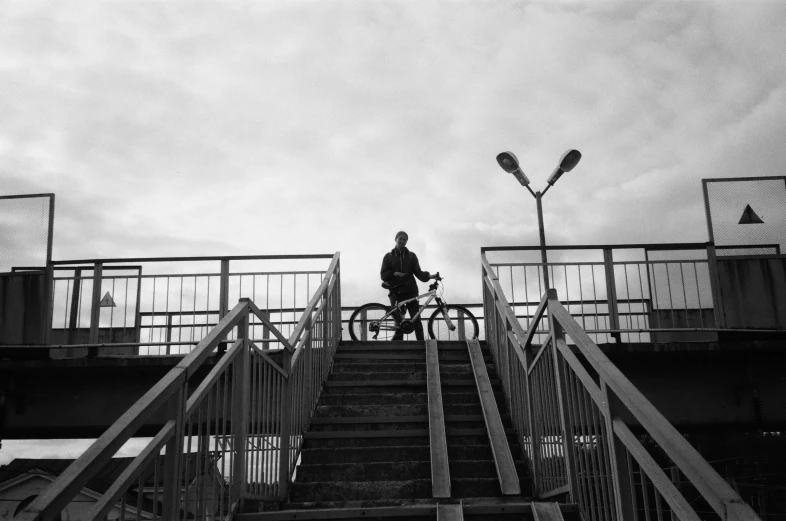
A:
{"points": [[401, 239]]}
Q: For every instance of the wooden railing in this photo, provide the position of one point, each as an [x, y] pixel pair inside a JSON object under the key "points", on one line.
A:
{"points": [[568, 403], [235, 436]]}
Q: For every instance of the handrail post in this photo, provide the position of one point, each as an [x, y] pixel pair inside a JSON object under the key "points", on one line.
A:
{"points": [[49, 299], [611, 293], [620, 470], [283, 470], [95, 308], [174, 451], [240, 405], [223, 296], [308, 361], [717, 294], [561, 385], [534, 435], [73, 321]]}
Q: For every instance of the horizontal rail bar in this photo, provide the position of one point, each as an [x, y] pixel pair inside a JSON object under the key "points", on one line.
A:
{"points": [[194, 259]]}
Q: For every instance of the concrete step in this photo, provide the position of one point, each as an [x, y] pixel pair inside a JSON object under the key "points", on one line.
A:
{"points": [[417, 422], [353, 423], [361, 376], [394, 366], [381, 357], [324, 441], [390, 410], [319, 491], [368, 471], [474, 509], [367, 454], [350, 397], [372, 383], [312, 456]]}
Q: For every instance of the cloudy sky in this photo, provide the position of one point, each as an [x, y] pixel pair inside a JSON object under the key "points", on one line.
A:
{"points": [[212, 128]]}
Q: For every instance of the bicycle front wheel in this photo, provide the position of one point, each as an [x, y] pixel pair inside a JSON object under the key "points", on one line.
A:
{"points": [[464, 323], [369, 321]]}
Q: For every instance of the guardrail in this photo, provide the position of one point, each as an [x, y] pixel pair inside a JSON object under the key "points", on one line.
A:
{"points": [[568, 404], [166, 305], [235, 435], [631, 293]]}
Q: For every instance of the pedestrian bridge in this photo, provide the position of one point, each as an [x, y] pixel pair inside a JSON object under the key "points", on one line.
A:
{"points": [[230, 357]]}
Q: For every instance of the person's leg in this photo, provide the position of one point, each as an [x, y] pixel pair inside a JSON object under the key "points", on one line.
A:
{"points": [[413, 308], [397, 317]]}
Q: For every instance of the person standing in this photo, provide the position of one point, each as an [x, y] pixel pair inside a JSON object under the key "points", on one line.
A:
{"points": [[399, 269]]}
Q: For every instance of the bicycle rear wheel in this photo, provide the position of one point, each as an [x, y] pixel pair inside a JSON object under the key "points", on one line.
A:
{"points": [[367, 321], [465, 323]]}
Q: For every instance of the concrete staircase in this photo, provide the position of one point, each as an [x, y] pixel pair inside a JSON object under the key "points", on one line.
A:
{"points": [[367, 453]]}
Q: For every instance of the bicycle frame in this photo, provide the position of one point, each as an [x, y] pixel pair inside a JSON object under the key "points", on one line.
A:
{"points": [[400, 307]]}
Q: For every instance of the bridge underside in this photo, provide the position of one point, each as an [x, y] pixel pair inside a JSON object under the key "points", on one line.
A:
{"points": [[737, 385]]}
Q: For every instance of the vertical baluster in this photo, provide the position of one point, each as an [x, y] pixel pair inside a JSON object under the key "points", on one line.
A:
{"points": [[645, 495], [632, 485], [575, 390], [174, 449]]}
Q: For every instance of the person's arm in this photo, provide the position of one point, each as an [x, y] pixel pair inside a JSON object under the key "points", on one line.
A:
{"points": [[424, 276], [387, 270]]}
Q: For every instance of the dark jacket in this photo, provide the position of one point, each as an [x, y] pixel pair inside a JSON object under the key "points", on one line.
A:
{"points": [[405, 262]]}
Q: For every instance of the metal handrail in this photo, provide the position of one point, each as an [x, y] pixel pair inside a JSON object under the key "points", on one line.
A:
{"points": [[566, 405], [231, 406]]}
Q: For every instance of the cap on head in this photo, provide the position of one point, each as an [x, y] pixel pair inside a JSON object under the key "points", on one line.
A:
{"points": [[399, 234]]}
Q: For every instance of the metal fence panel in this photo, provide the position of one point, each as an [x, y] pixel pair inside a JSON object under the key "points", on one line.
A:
{"points": [[26, 223], [746, 211]]}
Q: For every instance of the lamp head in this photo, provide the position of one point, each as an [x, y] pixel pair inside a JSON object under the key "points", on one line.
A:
{"points": [[566, 163], [510, 164], [569, 160]]}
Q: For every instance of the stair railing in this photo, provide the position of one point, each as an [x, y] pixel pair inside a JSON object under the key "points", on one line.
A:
{"points": [[573, 411], [234, 437]]}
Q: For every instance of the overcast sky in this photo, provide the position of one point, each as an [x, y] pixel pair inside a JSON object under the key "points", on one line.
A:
{"points": [[212, 128]]}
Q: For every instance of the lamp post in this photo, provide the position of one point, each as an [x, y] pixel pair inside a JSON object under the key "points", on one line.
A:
{"points": [[510, 164]]}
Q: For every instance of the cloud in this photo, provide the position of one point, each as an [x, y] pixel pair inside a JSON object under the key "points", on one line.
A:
{"points": [[267, 127]]}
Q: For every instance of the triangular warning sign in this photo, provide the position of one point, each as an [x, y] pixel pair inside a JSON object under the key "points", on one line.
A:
{"points": [[749, 216], [107, 301]]}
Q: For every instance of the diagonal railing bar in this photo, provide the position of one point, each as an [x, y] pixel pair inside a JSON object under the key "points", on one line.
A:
{"points": [[262, 316], [567, 404], [235, 436], [75, 477], [269, 360]]}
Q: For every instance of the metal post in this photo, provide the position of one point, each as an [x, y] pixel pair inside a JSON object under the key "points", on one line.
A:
{"points": [[223, 297], [563, 400], [176, 407], [49, 299], [717, 295], [283, 470], [611, 293], [542, 231], [95, 309], [73, 322], [241, 377]]}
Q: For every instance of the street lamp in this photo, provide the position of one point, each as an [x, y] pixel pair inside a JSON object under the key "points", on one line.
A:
{"points": [[510, 164]]}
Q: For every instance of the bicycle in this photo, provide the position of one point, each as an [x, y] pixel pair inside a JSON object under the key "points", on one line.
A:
{"points": [[448, 322]]}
